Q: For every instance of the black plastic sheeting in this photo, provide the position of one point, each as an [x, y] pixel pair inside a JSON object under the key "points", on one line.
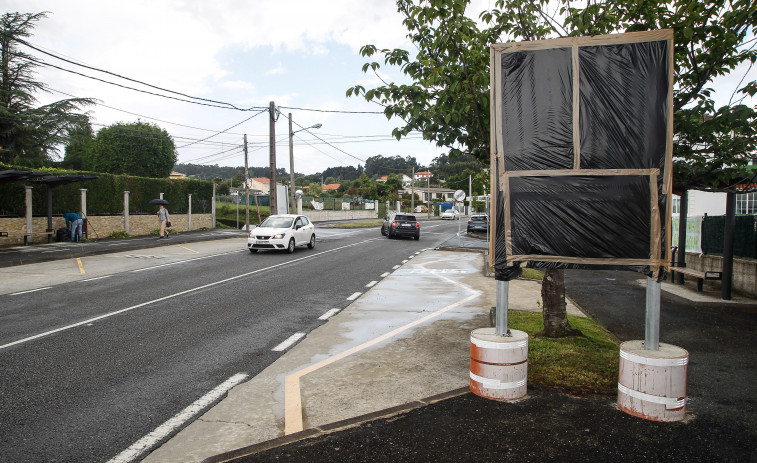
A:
{"points": [[623, 114]]}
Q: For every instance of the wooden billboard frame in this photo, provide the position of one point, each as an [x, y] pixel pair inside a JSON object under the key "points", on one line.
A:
{"points": [[497, 150]]}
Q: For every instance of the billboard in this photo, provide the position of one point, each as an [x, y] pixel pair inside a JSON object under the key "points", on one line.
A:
{"points": [[582, 141]]}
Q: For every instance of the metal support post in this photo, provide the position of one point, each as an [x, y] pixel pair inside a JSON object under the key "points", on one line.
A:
{"points": [[652, 327], [501, 311]]}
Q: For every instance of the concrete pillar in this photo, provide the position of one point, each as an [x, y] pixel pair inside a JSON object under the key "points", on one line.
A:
{"points": [[126, 212], [83, 206], [213, 208], [189, 214], [28, 238]]}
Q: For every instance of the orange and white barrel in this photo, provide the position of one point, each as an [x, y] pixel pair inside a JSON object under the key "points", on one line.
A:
{"points": [[498, 364], [652, 383]]}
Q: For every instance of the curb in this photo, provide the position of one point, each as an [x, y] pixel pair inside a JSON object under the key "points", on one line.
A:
{"points": [[332, 427]]}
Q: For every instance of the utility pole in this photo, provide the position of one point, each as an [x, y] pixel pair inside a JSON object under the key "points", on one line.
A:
{"points": [[272, 143], [428, 197], [246, 189], [291, 166], [412, 191]]}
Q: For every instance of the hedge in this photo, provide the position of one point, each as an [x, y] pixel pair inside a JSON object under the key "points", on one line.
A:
{"points": [[105, 195]]}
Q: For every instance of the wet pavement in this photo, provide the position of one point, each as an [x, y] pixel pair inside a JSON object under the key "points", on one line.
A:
{"points": [[378, 383]]}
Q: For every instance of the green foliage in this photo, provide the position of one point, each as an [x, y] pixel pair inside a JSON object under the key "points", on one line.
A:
{"points": [[78, 141], [378, 166], [140, 149], [105, 195], [29, 135], [448, 96]]}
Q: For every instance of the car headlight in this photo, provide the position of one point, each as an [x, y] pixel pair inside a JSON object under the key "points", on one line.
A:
{"points": [[252, 235], [278, 236]]}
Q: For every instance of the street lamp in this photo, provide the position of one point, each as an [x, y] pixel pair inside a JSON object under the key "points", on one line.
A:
{"points": [[291, 159]]}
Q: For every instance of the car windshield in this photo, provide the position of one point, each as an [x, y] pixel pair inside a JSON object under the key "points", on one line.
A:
{"points": [[277, 222]]}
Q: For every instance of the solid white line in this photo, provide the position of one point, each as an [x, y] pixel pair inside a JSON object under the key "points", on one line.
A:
{"points": [[289, 342], [385, 274], [165, 429], [354, 296], [329, 314], [96, 278], [370, 285], [185, 260], [30, 291], [181, 293]]}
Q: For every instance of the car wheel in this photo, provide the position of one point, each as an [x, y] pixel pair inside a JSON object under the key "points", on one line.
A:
{"points": [[311, 244], [253, 251], [416, 238], [383, 233], [290, 248]]}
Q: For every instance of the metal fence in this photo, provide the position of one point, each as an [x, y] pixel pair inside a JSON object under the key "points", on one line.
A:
{"points": [[744, 240]]}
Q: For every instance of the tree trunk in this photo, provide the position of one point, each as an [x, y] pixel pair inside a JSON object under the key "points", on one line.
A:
{"points": [[555, 313]]}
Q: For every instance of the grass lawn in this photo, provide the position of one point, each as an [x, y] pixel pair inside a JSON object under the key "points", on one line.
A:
{"points": [[583, 362]]}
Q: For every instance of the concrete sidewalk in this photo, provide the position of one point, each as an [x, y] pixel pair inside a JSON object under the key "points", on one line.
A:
{"points": [[391, 347]]}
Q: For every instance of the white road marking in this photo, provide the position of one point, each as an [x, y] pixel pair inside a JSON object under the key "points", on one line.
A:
{"points": [[289, 342], [354, 296], [30, 291], [404, 261], [329, 314], [385, 274], [165, 429], [370, 285], [171, 296], [395, 267], [186, 260], [96, 278]]}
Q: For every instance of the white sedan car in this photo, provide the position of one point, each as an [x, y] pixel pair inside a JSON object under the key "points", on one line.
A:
{"points": [[284, 231], [450, 214]]}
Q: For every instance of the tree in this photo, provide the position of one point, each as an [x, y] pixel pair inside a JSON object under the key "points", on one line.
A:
{"points": [[448, 97], [29, 134], [78, 141], [139, 149]]}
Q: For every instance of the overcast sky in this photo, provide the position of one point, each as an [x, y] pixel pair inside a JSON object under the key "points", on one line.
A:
{"points": [[297, 53]]}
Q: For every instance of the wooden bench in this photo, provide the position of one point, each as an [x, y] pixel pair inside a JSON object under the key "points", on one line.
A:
{"points": [[700, 276]]}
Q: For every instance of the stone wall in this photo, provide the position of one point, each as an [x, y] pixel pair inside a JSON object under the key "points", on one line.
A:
{"points": [[324, 216], [99, 226], [744, 272]]}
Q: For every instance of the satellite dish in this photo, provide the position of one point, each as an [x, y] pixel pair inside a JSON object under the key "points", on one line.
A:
{"points": [[459, 195]]}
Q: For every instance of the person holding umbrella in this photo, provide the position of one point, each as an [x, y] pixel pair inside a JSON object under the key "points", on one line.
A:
{"points": [[163, 216]]}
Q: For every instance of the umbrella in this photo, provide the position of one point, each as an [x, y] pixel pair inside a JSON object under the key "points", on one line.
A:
{"points": [[158, 201]]}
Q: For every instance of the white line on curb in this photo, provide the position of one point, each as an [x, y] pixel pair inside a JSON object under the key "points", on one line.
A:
{"points": [[385, 274], [178, 420], [395, 267], [289, 342], [96, 278], [354, 296], [370, 285], [329, 314]]}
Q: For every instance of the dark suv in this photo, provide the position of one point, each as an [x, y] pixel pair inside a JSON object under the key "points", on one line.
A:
{"points": [[478, 223], [401, 224]]}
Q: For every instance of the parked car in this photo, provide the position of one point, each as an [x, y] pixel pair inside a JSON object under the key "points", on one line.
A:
{"points": [[284, 231], [421, 208], [478, 223], [401, 224], [450, 214]]}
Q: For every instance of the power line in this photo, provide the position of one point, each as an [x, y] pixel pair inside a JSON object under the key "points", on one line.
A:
{"points": [[23, 42], [331, 110], [235, 125]]}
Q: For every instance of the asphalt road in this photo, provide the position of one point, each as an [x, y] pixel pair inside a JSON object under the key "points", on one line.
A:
{"points": [[573, 426], [97, 354]]}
